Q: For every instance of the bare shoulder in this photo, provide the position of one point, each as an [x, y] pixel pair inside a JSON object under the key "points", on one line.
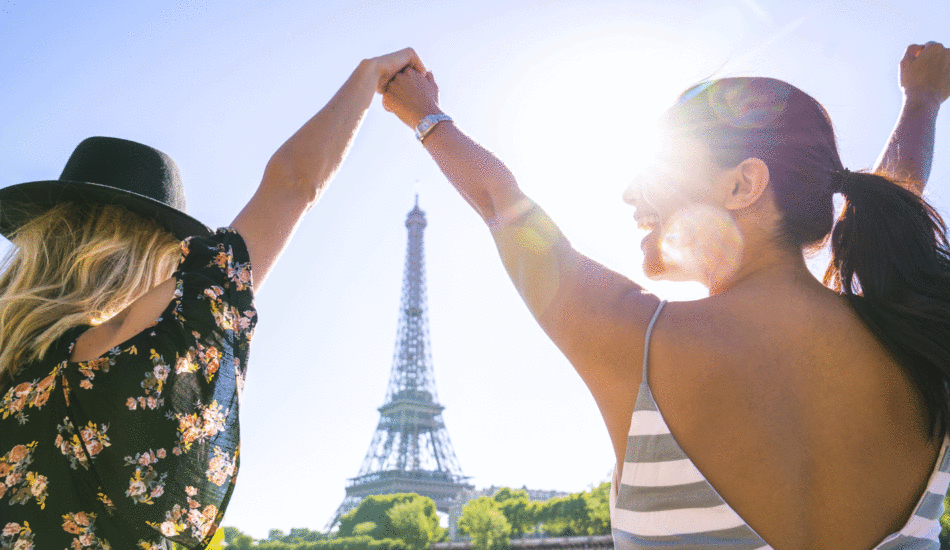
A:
{"points": [[752, 342], [132, 320]]}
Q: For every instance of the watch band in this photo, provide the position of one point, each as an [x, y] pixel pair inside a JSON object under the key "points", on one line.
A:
{"points": [[427, 123]]}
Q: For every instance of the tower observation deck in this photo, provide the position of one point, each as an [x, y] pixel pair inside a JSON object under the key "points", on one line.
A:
{"points": [[410, 451]]}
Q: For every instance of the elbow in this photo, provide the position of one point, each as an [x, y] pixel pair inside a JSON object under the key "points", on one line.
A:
{"points": [[285, 175], [504, 202]]}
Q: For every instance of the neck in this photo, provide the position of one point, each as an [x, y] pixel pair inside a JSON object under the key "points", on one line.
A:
{"points": [[770, 268]]}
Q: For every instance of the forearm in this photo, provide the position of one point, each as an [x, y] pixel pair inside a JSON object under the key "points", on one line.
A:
{"points": [[306, 162], [299, 172], [478, 175], [908, 155]]}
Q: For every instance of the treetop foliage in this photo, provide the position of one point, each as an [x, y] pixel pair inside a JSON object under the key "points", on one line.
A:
{"points": [[407, 521], [404, 516]]}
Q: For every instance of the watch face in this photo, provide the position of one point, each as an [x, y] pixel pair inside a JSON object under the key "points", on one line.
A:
{"points": [[427, 123], [424, 126]]}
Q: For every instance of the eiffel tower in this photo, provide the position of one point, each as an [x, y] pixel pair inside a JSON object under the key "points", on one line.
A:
{"points": [[410, 451]]}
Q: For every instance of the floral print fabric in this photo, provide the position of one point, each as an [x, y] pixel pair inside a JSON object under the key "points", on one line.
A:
{"points": [[138, 447]]}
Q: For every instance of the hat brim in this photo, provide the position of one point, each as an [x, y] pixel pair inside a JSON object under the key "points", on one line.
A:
{"points": [[22, 202]]}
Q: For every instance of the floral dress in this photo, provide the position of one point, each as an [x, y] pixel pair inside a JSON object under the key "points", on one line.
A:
{"points": [[139, 446]]}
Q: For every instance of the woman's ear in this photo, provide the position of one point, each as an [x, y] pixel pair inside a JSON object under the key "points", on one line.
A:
{"points": [[749, 180]]}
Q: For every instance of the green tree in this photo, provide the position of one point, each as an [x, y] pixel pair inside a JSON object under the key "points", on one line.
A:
{"points": [[517, 509], [231, 533], [241, 542], [416, 523], [597, 519], [302, 534], [406, 517], [364, 529], [484, 522], [583, 513], [555, 515]]}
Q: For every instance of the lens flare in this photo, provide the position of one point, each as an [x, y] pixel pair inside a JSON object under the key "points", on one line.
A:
{"points": [[525, 246], [748, 103], [701, 243]]}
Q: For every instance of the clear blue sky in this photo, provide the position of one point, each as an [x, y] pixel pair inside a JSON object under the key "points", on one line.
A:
{"points": [[563, 91]]}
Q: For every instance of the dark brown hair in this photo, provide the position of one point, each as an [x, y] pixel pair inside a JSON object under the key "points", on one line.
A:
{"points": [[890, 254]]}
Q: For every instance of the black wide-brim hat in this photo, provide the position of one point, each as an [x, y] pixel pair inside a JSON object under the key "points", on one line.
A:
{"points": [[107, 171]]}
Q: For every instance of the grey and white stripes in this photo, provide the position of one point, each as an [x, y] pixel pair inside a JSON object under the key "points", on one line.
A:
{"points": [[663, 501]]}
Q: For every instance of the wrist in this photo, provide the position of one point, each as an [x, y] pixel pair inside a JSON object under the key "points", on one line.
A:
{"points": [[368, 72], [430, 110], [427, 124], [921, 102]]}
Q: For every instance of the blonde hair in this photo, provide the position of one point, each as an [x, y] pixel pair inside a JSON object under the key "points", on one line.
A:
{"points": [[75, 265]]}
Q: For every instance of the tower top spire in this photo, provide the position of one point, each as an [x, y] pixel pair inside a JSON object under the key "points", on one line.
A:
{"points": [[416, 216]]}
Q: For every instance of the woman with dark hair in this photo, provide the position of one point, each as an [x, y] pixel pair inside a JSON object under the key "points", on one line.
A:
{"points": [[123, 347], [779, 411]]}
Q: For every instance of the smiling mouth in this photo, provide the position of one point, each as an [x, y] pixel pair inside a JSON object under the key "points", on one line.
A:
{"points": [[650, 245], [648, 222]]}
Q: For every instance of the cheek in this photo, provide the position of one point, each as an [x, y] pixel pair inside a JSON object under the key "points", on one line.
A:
{"points": [[702, 241], [671, 190]]}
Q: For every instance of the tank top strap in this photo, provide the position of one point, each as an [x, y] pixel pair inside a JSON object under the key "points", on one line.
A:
{"points": [[646, 343]]}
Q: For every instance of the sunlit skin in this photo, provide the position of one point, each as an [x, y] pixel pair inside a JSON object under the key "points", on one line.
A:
{"points": [[793, 411], [708, 224], [678, 200]]}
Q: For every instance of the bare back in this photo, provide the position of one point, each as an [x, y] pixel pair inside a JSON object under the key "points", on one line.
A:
{"points": [[795, 414]]}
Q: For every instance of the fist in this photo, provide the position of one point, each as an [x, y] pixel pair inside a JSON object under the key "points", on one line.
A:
{"points": [[411, 95], [925, 72], [386, 66]]}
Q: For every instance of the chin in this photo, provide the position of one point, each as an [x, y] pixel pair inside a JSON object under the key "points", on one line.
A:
{"points": [[658, 266], [654, 268]]}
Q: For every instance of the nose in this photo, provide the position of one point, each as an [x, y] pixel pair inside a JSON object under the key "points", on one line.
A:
{"points": [[632, 194]]}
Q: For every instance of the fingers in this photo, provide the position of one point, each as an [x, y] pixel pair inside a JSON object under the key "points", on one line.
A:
{"points": [[930, 49], [925, 72], [912, 52], [921, 55], [414, 61], [387, 66]]}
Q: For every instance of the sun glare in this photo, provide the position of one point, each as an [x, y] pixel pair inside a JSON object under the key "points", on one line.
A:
{"points": [[578, 123]]}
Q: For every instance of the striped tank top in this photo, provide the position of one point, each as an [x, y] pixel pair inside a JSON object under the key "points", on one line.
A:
{"points": [[663, 501]]}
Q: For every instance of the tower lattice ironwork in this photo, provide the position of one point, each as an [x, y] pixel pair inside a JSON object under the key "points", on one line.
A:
{"points": [[410, 451]]}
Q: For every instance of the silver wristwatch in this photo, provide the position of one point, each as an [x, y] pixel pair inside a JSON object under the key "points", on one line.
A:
{"points": [[427, 123]]}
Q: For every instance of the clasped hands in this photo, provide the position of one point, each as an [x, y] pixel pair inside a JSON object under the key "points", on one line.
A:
{"points": [[409, 91]]}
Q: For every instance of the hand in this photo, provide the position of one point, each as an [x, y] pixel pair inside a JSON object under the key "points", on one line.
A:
{"points": [[411, 96], [925, 73], [387, 66]]}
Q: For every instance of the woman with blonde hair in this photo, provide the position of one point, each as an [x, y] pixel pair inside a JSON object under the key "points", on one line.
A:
{"points": [[124, 333], [779, 412]]}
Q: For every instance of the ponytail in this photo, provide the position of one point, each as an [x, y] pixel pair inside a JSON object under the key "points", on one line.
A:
{"points": [[890, 258]]}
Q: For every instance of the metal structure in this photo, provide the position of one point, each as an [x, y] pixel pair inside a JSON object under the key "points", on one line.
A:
{"points": [[410, 451]]}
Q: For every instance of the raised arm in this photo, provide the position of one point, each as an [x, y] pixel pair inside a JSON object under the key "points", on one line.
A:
{"points": [[925, 80], [595, 316], [294, 179], [299, 172]]}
